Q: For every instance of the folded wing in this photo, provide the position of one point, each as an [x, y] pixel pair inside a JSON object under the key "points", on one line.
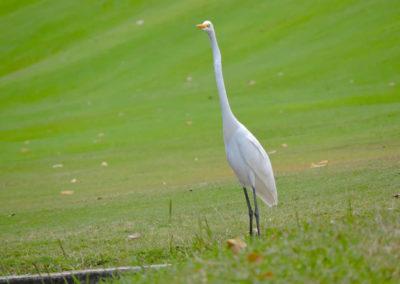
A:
{"points": [[258, 162]]}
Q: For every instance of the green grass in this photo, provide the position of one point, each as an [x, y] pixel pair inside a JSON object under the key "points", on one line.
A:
{"points": [[327, 84]]}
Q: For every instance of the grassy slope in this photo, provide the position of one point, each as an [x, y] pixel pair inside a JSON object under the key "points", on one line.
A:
{"points": [[70, 71]]}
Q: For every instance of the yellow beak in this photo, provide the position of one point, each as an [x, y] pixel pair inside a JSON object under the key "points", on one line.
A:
{"points": [[201, 26]]}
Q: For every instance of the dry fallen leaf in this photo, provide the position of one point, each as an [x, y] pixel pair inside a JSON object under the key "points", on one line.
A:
{"points": [[26, 142], [24, 150], [264, 275], [99, 198], [251, 82], [74, 180], [188, 122], [317, 165], [397, 195], [254, 257], [104, 164], [236, 245], [272, 152], [320, 164], [57, 166], [11, 215], [134, 236], [284, 145], [67, 192], [189, 79], [100, 134]]}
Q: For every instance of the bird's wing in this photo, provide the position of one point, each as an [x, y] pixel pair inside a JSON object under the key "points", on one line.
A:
{"points": [[258, 162]]}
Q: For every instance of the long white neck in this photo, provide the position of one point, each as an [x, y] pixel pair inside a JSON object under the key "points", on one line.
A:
{"points": [[230, 123]]}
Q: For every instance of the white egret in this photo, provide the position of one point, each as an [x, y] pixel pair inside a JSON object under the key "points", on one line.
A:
{"points": [[245, 154]]}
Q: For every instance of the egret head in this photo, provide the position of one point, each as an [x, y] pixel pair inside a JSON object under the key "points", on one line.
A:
{"points": [[206, 26]]}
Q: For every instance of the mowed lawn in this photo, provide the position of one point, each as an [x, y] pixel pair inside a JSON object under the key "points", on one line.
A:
{"points": [[131, 84]]}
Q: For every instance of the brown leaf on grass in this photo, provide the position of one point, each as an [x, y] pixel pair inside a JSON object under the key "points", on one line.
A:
{"points": [[74, 180], [274, 236], [57, 166], [100, 134], [264, 275], [397, 195], [134, 236], [99, 198], [316, 165], [189, 79], [188, 122], [254, 258], [11, 215], [236, 245], [320, 164], [67, 192], [25, 150], [284, 145], [104, 164], [26, 142], [272, 152], [251, 82]]}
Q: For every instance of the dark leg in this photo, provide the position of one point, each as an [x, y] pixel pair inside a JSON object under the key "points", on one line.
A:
{"points": [[250, 210], [256, 213]]}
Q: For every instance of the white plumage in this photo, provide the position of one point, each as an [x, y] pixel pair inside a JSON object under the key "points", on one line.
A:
{"points": [[251, 165], [245, 154]]}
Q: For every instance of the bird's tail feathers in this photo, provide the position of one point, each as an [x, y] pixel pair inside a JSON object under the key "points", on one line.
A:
{"points": [[266, 191]]}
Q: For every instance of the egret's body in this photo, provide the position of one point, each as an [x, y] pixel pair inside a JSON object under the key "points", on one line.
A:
{"points": [[245, 154]]}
